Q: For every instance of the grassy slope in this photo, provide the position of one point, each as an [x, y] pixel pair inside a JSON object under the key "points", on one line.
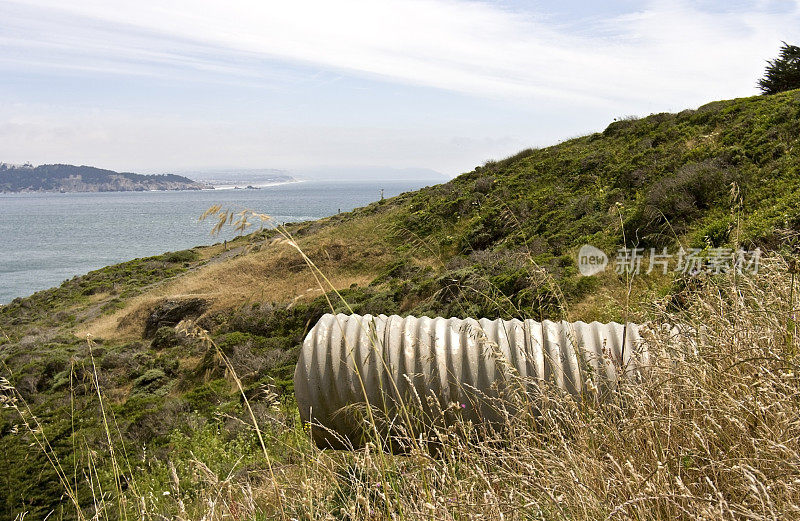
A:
{"points": [[497, 241]]}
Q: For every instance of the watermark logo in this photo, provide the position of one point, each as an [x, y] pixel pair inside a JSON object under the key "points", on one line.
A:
{"points": [[591, 260], [691, 261]]}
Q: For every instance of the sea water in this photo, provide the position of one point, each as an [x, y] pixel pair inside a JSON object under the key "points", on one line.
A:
{"points": [[50, 237]]}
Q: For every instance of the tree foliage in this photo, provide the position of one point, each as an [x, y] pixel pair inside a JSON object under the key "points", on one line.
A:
{"points": [[782, 73]]}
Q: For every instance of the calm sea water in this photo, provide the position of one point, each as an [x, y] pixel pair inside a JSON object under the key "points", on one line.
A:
{"points": [[48, 238]]}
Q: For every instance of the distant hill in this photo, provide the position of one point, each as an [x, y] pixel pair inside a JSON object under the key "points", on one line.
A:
{"points": [[254, 177], [69, 178], [261, 176]]}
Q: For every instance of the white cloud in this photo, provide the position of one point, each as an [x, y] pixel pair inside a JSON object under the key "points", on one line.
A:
{"points": [[552, 80], [670, 50]]}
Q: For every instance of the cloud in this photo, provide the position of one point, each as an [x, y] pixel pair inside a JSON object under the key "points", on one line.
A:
{"points": [[446, 84], [152, 143], [676, 51]]}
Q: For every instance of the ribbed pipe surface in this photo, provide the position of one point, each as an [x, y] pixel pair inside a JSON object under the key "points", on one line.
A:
{"points": [[380, 360]]}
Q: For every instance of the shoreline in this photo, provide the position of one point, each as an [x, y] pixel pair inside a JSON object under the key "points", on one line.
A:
{"points": [[254, 186], [207, 188]]}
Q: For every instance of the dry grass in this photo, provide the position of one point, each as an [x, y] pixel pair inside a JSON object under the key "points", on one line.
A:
{"points": [[268, 271], [712, 432]]}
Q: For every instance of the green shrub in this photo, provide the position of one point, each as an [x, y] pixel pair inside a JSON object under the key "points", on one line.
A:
{"points": [[166, 337], [669, 206], [151, 382], [180, 256]]}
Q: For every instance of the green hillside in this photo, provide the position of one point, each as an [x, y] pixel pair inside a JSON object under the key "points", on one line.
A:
{"points": [[499, 241], [70, 178]]}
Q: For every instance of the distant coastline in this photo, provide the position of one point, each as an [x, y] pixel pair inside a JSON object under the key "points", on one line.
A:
{"points": [[69, 178]]}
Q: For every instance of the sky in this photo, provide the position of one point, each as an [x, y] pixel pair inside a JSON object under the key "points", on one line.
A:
{"points": [[158, 86]]}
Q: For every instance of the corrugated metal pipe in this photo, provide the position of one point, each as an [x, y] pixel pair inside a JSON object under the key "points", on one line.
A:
{"points": [[441, 363]]}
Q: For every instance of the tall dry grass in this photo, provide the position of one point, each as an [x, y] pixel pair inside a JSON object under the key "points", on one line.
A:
{"points": [[712, 432]]}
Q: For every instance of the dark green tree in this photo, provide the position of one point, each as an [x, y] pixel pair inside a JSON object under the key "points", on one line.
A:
{"points": [[783, 73]]}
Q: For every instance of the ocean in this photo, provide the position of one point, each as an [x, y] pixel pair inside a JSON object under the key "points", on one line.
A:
{"points": [[51, 237]]}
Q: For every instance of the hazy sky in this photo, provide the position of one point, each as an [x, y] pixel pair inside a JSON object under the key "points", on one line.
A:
{"points": [[159, 85]]}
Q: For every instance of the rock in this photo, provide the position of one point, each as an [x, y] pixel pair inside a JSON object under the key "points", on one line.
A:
{"points": [[171, 311]]}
